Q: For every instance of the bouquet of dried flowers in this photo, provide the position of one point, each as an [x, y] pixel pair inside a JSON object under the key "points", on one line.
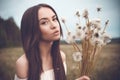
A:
{"points": [[92, 38]]}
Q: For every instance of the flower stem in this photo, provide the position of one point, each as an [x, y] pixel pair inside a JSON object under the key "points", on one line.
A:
{"points": [[106, 23], [66, 28], [104, 29], [77, 47]]}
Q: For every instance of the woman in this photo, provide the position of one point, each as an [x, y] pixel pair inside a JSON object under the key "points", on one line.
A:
{"points": [[43, 60]]}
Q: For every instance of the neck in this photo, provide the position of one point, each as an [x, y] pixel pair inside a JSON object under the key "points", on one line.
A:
{"points": [[45, 52], [45, 49]]}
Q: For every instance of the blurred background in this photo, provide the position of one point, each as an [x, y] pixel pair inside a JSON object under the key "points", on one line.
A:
{"points": [[107, 68]]}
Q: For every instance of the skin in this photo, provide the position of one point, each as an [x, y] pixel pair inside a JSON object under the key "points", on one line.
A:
{"points": [[83, 78], [50, 31], [49, 25]]}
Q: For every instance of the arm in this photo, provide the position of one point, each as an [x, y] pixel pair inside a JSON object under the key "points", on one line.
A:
{"points": [[21, 68], [64, 60]]}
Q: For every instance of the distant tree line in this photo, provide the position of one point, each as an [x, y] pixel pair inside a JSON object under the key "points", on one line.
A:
{"points": [[9, 33]]}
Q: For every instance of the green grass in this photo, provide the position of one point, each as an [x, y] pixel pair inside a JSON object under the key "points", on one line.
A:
{"points": [[8, 57], [107, 67]]}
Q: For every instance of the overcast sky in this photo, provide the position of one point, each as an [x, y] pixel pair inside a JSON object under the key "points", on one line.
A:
{"points": [[67, 9]]}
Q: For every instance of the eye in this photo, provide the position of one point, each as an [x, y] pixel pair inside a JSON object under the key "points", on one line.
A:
{"points": [[55, 19], [44, 22]]}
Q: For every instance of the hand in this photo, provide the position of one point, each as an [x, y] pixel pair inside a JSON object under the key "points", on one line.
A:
{"points": [[83, 78]]}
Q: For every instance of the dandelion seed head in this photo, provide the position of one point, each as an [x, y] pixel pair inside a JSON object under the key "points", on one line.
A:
{"points": [[96, 23], [97, 40], [106, 23], [63, 20], [77, 13], [85, 13], [99, 8], [70, 38], [106, 38], [96, 35], [77, 56]]}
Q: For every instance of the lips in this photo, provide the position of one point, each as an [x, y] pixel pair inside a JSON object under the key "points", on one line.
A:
{"points": [[56, 32]]}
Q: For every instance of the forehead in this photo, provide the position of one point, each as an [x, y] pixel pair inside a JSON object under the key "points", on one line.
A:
{"points": [[45, 12]]}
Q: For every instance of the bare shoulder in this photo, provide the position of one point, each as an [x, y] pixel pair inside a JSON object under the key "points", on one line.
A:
{"points": [[63, 56], [64, 60], [22, 67]]}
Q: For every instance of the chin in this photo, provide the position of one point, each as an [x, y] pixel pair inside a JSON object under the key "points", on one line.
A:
{"points": [[56, 38]]}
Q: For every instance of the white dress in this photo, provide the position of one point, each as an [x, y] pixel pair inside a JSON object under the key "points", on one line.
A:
{"points": [[46, 75]]}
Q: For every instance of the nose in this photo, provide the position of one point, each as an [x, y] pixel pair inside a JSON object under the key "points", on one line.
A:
{"points": [[53, 25]]}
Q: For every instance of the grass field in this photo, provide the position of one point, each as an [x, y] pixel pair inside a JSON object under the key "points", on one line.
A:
{"points": [[107, 67]]}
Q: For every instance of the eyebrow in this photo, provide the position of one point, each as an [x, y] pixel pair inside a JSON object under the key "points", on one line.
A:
{"points": [[45, 18]]}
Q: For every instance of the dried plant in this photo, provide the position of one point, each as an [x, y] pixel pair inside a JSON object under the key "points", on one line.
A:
{"points": [[92, 38]]}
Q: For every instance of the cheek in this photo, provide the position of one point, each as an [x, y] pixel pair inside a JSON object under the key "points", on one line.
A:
{"points": [[58, 26], [44, 31]]}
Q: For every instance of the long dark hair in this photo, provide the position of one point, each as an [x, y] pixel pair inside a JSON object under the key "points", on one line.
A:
{"points": [[31, 36]]}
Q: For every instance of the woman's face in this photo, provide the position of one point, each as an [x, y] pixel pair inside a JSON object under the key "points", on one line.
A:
{"points": [[48, 24]]}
